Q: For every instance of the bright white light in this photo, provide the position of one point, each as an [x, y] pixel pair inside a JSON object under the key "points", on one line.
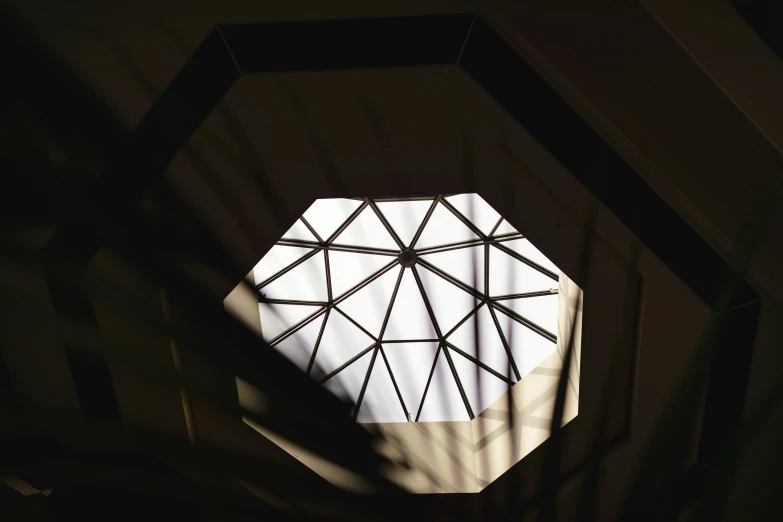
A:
{"points": [[402, 338]]}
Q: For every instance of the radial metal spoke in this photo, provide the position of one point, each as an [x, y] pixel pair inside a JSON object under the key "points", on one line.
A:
{"points": [[366, 380], [427, 304], [424, 222], [385, 223], [440, 336], [468, 223], [524, 322], [528, 262], [318, 341], [429, 380], [506, 347], [450, 246], [341, 248], [311, 229], [265, 300], [304, 322], [451, 279], [285, 270], [347, 222], [360, 327], [524, 295], [347, 363], [394, 382], [364, 250], [364, 282], [480, 364], [467, 244], [391, 303]]}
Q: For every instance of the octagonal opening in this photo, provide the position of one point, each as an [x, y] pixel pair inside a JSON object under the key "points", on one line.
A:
{"points": [[431, 310]]}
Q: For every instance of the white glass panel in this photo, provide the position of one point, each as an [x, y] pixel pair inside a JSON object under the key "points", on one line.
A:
{"points": [[411, 363], [511, 276], [368, 306], [299, 231], [504, 228], [348, 383], [443, 401], [275, 260], [409, 318], [298, 347], [442, 228], [326, 215], [481, 387], [341, 341], [449, 303], [405, 217], [276, 318], [306, 282], [348, 269], [367, 231], [380, 402], [490, 349], [527, 347], [540, 310], [478, 211], [526, 248], [466, 264]]}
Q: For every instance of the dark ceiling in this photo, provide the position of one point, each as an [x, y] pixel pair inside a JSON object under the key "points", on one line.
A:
{"points": [[164, 152]]}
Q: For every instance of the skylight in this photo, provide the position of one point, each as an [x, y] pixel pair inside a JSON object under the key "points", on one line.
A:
{"points": [[417, 309]]}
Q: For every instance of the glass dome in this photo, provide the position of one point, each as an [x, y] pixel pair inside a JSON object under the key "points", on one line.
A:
{"points": [[414, 309]]}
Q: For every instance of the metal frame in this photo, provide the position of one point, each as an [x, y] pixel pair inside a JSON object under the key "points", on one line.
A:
{"points": [[445, 347]]}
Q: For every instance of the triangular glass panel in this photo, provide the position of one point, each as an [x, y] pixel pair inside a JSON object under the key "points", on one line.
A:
{"points": [[489, 349], [443, 228], [511, 276], [348, 268], [299, 231], [277, 259], [305, 282], [478, 211], [449, 303], [442, 402], [465, 264], [525, 248], [276, 318], [348, 383], [326, 215], [380, 402], [409, 318], [411, 363], [481, 387], [368, 306], [504, 228], [539, 310], [298, 347], [341, 341], [405, 217], [528, 348], [367, 231]]}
